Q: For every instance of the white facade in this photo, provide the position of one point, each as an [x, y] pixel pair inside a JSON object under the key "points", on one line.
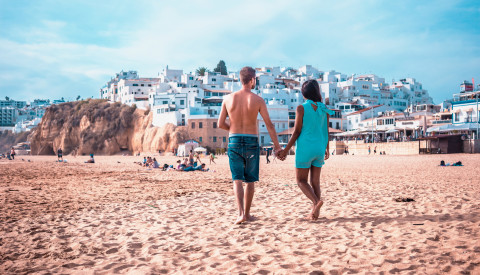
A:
{"points": [[8, 116], [279, 116], [354, 119]]}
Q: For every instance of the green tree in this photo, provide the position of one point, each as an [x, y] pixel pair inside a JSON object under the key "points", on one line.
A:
{"points": [[221, 68], [7, 98], [78, 98], [201, 71]]}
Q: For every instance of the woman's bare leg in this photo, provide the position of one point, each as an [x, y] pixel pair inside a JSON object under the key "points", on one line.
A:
{"points": [[315, 182], [302, 181]]}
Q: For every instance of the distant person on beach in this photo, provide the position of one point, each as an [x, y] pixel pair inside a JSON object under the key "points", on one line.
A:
{"points": [[197, 158], [12, 153], [212, 158], [60, 154], [311, 128], [242, 108], [268, 155], [375, 150], [190, 158], [369, 150], [346, 150], [91, 160], [155, 163], [144, 161]]}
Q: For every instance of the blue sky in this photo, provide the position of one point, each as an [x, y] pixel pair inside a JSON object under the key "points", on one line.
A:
{"points": [[50, 49]]}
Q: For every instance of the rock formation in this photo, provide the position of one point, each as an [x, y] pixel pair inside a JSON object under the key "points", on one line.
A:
{"points": [[97, 126]]}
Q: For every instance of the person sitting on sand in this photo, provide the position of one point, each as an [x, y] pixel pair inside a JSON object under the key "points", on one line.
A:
{"points": [[311, 127], [180, 165], [91, 160], [144, 161], [190, 158], [155, 163]]}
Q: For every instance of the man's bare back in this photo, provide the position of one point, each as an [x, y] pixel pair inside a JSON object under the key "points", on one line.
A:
{"points": [[243, 108]]}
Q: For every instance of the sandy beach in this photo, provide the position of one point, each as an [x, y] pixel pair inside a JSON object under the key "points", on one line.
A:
{"points": [[117, 217]]}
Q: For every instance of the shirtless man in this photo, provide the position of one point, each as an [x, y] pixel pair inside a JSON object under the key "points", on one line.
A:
{"points": [[242, 108]]}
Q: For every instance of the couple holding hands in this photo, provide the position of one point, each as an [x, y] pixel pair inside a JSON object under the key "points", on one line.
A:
{"points": [[310, 135]]}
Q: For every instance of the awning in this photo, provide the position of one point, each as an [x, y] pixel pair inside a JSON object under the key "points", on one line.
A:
{"points": [[200, 149], [454, 127], [392, 131]]}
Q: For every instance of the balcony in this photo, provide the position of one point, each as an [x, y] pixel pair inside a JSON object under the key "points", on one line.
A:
{"points": [[442, 121]]}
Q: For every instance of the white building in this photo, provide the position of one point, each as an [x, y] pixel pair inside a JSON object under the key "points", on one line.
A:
{"points": [[353, 120], [8, 116], [279, 116]]}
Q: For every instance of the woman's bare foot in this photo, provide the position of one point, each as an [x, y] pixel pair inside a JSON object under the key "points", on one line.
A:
{"points": [[241, 219], [250, 218], [316, 210]]}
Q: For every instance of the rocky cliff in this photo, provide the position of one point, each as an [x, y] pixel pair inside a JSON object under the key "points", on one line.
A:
{"points": [[100, 127]]}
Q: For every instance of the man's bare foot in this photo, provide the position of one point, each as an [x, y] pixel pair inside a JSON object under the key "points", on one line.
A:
{"points": [[250, 218], [241, 219], [316, 210]]}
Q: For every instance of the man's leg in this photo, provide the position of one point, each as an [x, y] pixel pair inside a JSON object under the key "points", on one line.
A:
{"points": [[315, 182], [238, 190], [249, 192]]}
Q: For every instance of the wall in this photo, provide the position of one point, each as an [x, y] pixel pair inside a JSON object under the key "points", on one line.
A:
{"points": [[207, 132], [471, 146], [390, 148]]}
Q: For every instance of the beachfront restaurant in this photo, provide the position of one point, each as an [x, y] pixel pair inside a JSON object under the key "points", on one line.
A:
{"points": [[441, 144]]}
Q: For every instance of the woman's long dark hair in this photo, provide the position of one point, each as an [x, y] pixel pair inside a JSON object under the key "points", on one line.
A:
{"points": [[311, 90]]}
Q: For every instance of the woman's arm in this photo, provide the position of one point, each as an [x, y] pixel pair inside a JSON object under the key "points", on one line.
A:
{"points": [[327, 152], [297, 130]]}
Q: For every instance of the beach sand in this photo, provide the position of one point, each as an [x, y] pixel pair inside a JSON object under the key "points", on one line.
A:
{"points": [[117, 217]]}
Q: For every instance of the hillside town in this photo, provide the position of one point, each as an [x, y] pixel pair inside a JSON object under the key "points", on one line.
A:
{"points": [[367, 108]]}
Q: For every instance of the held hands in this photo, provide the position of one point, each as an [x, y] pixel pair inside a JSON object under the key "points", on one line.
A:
{"points": [[281, 154], [327, 154]]}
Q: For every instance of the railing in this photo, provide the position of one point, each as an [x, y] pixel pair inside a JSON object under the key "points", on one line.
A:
{"points": [[441, 121]]}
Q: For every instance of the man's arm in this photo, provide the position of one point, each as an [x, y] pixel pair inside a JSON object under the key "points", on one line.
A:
{"points": [[222, 123], [269, 124]]}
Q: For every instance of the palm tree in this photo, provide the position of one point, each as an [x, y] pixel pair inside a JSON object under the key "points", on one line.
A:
{"points": [[201, 71]]}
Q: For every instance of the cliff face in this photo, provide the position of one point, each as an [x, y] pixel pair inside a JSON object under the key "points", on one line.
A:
{"points": [[96, 126]]}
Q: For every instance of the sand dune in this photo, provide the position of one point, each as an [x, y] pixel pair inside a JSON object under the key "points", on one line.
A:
{"points": [[117, 217]]}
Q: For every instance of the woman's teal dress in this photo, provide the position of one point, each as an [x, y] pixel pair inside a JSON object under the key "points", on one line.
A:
{"points": [[312, 142]]}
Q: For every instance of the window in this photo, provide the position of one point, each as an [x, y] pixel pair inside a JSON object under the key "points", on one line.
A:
{"points": [[224, 139], [330, 124], [142, 85], [214, 139], [262, 139], [164, 102], [214, 79], [193, 125], [191, 78], [182, 102], [158, 111], [338, 125], [214, 125], [149, 85], [200, 125], [457, 117], [135, 85], [200, 139]]}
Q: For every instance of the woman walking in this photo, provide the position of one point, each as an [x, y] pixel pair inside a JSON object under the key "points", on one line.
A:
{"points": [[311, 135]]}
